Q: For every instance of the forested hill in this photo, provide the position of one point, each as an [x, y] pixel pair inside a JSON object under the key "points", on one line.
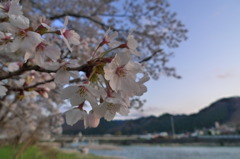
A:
{"points": [[226, 110]]}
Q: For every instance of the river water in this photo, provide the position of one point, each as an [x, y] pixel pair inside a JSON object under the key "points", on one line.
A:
{"points": [[177, 152]]}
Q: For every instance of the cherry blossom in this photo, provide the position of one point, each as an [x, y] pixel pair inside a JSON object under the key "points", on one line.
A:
{"points": [[110, 107], [63, 75], [10, 8], [131, 45], [141, 82], [121, 73], [109, 39], [69, 36], [27, 41], [3, 89], [79, 94], [45, 52]]}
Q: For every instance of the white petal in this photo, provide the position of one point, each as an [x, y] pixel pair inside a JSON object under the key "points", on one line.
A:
{"points": [[115, 83], [92, 100], [3, 90], [123, 110], [66, 21], [96, 92], [15, 8], [73, 115], [52, 52], [74, 74], [122, 58], [31, 41], [62, 76], [39, 59], [76, 100], [135, 52], [112, 36], [13, 66], [27, 56], [132, 43], [144, 79], [14, 46], [74, 38], [69, 91], [7, 27], [19, 21], [100, 110], [109, 115], [91, 121], [66, 41]]}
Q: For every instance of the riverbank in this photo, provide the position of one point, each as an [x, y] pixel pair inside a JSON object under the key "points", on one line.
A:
{"points": [[44, 151]]}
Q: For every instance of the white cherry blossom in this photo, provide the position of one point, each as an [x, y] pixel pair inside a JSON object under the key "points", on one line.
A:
{"points": [[10, 8], [110, 107], [131, 45], [109, 38], [44, 52], [63, 75], [121, 73], [141, 82], [79, 94], [27, 41], [69, 36]]}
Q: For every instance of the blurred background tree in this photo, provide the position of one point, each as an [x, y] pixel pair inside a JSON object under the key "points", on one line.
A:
{"points": [[154, 25]]}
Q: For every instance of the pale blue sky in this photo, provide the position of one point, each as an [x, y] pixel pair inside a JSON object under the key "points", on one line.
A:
{"points": [[209, 61]]}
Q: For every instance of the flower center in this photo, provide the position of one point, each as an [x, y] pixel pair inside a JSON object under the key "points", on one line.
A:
{"points": [[6, 7], [82, 91], [67, 34], [41, 46], [110, 106], [121, 71]]}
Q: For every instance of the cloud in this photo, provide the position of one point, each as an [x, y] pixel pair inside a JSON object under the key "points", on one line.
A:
{"points": [[147, 111], [225, 75]]}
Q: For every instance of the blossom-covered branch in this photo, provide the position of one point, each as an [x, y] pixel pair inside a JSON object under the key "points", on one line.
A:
{"points": [[46, 58]]}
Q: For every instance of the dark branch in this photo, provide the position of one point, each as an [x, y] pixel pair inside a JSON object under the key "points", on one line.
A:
{"points": [[104, 26], [150, 57], [23, 69]]}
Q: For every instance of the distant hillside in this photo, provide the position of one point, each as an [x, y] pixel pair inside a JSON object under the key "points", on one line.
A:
{"points": [[226, 110]]}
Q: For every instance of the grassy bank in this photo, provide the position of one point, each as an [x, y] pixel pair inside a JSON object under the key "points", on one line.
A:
{"points": [[36, 152]]}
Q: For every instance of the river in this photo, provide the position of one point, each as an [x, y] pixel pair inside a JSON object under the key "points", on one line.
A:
{"points": [[173, 152]]}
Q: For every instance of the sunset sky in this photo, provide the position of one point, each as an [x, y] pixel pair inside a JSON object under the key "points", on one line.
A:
{"points": [[209, 61]]}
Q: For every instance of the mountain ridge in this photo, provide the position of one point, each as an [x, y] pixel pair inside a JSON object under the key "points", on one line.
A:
{"points": [[224, 111]]}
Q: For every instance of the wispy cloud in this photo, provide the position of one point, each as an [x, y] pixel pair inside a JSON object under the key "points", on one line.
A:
{"points": [[225, 75]]}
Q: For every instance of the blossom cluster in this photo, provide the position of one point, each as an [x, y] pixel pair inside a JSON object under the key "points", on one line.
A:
{"points": [[108, 77]]}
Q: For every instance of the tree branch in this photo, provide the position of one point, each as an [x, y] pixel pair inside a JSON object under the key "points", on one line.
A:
{"points": [[150, 57], [23, 69], [27, 67], [104, 26]]}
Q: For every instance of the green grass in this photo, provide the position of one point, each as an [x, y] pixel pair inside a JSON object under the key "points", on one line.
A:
{"points": [[35, 152]]}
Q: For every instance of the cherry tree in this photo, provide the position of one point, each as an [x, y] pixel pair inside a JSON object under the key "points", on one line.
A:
{"points": [[79, 53]]}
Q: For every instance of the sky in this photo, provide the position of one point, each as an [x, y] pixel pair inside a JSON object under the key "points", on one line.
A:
{"points": [[209, 61]]}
